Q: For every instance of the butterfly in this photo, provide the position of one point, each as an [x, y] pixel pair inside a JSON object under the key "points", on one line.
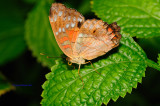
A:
{"points": [[82, 39]]}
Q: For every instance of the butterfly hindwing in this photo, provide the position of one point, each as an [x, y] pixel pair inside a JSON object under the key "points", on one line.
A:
{"points": [[65, 25], [96, 38]]}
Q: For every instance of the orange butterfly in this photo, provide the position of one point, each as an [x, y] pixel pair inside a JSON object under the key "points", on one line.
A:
{"points": [[82, 39]]}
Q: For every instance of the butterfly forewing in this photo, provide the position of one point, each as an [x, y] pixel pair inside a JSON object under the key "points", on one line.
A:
{"points": [[65, 23]]}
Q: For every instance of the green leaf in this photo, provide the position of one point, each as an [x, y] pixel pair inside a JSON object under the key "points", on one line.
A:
{"points": [[39, 35], [152, 64], [12, 42], [5, 86], [138, 18], [120, 72], [159, 59]]}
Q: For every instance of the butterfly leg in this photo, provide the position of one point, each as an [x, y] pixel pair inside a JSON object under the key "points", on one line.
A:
{"points": [[93, 67], [80, 75]]}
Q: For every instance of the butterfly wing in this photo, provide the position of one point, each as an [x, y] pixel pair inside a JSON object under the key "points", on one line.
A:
{"points": [[95, 38], [65, 23]]}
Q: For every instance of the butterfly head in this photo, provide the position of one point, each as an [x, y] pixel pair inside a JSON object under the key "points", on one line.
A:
{"points": [[77, 60]]}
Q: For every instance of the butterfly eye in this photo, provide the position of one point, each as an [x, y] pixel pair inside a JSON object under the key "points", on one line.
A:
{"points": [[79, 24]]}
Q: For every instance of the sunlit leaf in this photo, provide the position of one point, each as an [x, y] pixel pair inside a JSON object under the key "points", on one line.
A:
{"points": [[120, 72], [138, 18]]}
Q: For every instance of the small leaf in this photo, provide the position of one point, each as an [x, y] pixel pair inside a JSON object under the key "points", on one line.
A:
{"points": [[12, 42], [5, 86], [120, 72], [39, 34], [138, 18], [152, 64]]}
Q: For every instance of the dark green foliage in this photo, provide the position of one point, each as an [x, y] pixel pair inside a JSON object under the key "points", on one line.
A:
{"points": [[12, 42]]}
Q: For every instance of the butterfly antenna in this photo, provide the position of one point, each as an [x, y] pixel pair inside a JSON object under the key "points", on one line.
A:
{"points": [[80, 75], [51, 57], [93, 67]]}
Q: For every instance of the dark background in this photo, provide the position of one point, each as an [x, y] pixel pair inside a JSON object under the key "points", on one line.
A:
{"points": [[26, 70]]}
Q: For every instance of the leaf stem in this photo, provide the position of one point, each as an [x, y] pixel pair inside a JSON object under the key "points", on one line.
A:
{"points": [[152, 64]]}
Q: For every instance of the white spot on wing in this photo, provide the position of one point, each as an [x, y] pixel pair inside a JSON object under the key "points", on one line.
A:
{"points": [[67, 26], [56, 33], [59, 30], [72, 24], [60, 13], [79, 19], [63, 29], [74, 18], [55, 17]]}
